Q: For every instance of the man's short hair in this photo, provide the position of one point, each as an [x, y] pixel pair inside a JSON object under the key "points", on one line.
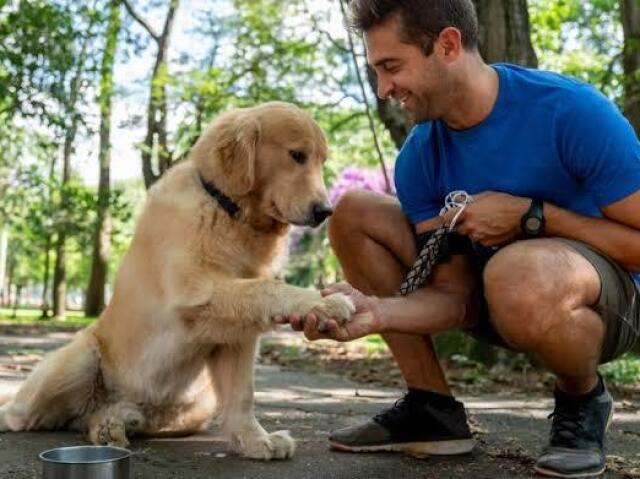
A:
{"points": [[421, 20]]}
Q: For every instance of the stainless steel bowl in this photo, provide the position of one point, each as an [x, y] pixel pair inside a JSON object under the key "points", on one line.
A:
{"points": [[85, 462]]}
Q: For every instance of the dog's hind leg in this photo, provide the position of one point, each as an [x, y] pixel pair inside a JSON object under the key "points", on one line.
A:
{"points": [[59, 390], [232, 368]]}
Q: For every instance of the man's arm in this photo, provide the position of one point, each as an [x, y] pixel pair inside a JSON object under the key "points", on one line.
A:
{"points": [[617, 234], [443, 304], [494, 218]]}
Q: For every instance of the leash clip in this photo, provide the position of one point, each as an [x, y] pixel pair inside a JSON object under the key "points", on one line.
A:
{"points": [[458, 199]]}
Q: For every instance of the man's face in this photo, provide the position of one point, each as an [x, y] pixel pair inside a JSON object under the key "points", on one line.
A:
{"points": [[420, 83]]}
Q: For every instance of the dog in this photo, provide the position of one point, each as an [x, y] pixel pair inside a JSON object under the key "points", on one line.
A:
{"points": [[175, 346]]}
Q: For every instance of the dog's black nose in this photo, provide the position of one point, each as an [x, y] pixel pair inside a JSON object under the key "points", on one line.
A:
{"points": [[320, 212]]}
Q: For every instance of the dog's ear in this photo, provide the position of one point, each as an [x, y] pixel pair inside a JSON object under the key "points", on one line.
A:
{"points": [[226, 152]]}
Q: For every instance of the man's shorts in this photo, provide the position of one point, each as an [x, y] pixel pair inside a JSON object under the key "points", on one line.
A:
{"points": [[618, 304]]}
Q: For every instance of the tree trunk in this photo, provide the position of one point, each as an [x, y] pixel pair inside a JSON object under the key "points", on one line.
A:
{"points": [[60, 268], [60, 271], [95, 300], [156, 157], [630, 10], [505, 32], [45, 305], [17, 300], [44, 302], [11, 269], [4, 248]]}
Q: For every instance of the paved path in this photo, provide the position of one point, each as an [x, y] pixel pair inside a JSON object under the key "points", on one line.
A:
{"points": [[510, 430]]}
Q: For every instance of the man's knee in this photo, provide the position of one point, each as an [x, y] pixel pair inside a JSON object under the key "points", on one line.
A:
{"points": [[347, 211], [527, 293], [357, 212]]}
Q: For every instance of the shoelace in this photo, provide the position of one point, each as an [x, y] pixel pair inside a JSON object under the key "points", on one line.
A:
{"points": [[567, 427]]}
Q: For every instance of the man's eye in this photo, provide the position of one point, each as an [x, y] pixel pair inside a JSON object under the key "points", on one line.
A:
{"points": [[298, 156]]}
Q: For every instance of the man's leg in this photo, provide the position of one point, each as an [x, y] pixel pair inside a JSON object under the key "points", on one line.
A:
{"points": [[540, 295], [376, 246]]}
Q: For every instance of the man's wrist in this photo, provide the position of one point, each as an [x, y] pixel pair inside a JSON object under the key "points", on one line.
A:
{"points": [[379, 315], [532, 222]]}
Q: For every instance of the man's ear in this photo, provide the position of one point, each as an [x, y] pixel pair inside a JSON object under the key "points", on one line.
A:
{"points": [[449, 44], [230, 147]]}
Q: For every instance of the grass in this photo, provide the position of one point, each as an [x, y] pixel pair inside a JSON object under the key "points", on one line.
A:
{"points": [[625, 370], [28, 316]]}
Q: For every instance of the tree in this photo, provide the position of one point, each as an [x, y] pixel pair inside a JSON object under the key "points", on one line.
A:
{"points": [[72, 118], [581, 39], [630, 10], [374, 134], [504, 32], [95, 298], [156, 157]]}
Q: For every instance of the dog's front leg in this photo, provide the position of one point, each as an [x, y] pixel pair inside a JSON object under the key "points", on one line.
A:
{"points": [[252, 303], [231, 368]]}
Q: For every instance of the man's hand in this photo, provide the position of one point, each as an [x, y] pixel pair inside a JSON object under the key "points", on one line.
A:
{"points": [[365, 321], [492, 219]]}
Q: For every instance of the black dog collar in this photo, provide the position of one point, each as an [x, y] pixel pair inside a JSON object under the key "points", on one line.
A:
{"points": [[226, 203]]}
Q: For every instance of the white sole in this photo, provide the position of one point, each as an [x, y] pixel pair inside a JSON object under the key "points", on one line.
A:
{"points": [[416, 449], [547, 472]]}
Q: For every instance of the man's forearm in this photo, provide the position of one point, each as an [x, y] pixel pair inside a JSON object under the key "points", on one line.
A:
{"points": [[620, 242], [426, 311]]}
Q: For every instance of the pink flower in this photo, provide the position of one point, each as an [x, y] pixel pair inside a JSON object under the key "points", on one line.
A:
{"points": [[355, 178]]}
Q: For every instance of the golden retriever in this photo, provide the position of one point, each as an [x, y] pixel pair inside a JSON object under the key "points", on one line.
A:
{"points": [[175, 347]]}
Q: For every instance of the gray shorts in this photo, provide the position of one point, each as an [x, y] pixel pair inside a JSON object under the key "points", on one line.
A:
{"points": [[618, 305]]}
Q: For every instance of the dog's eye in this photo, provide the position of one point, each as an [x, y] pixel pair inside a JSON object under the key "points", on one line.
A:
{"points": [[298, 156]]}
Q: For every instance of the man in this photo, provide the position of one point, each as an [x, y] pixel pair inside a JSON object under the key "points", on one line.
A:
{"points": [[554, 230]]}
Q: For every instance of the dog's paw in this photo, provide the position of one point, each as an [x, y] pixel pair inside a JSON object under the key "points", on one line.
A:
{"points": [[336, 306], [276, 445], [111, 432]]}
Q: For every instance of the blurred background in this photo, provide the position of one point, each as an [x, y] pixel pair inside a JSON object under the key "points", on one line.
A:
{"points": [[99, 98]]}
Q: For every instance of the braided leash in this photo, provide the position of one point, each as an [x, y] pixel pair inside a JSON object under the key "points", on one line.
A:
{"points": [[436, 246]]}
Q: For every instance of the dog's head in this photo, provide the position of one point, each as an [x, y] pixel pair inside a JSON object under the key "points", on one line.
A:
{"points": [[272, 154]]}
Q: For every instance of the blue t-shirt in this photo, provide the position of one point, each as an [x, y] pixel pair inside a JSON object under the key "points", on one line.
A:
{"points": [[548, 136]]}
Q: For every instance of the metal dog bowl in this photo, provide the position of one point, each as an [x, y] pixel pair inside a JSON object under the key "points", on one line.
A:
{"points": [[85, 462]]}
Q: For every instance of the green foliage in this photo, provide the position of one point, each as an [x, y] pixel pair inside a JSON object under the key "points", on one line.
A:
{"points": [[580, 38], [625, 370]]}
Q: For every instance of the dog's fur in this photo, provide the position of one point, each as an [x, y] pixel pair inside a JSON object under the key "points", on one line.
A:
{"points": [[175, 346]]}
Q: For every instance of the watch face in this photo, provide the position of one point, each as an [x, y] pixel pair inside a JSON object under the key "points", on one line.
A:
{"points": [[533, 224]]}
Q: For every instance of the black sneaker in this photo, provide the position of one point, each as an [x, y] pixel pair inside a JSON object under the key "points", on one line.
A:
{"points": [[576, 446], [422, 423]]}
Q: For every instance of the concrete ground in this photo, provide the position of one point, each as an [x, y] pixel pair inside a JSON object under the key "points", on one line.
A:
{"points": [[510, 431]]}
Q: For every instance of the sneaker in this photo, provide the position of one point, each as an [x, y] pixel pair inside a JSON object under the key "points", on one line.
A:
{"points": [[576, 446], [420, 424]]}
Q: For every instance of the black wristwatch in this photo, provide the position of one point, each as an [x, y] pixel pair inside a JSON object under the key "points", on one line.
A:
{"points": [[532, 222]]}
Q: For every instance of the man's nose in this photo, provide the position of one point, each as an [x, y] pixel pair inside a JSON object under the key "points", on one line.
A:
{"points": [[385, 87]]}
